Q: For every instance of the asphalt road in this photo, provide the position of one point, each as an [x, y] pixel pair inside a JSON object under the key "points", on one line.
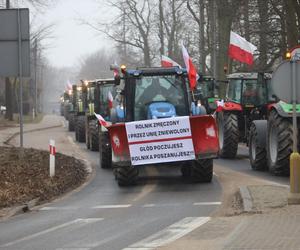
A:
{"points": [[104, 216]]}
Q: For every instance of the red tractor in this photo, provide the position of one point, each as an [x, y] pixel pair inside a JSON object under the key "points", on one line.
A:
{"points": [[155, 122], [247, 100]]}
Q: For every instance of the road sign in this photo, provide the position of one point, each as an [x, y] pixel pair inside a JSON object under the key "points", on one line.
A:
{"points": [[9, 48], [282, 79]]}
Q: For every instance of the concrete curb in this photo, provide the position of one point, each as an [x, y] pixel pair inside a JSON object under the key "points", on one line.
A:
{"points": [[246, 198]]}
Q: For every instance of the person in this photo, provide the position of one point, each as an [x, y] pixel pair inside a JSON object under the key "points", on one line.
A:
{"points": [[153, 90], [250, 94]]}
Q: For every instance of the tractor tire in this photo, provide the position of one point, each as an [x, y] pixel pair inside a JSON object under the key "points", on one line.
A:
{"points": [[257, 145], [198, 171], [228, 134], [279, 144], [104, 150], [94, 135], [126, 175], [80, 128], [87, 134], [71, 122]]}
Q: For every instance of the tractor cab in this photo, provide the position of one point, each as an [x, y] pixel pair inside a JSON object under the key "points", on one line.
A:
{"points": [[207, 91], [153, 93], [248, 89], [100, 94]]}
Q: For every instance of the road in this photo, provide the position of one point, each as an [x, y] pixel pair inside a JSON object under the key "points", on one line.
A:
{"points": [[103, 216]]}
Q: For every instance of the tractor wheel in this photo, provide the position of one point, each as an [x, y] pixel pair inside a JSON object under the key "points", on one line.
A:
{"points": [[71, 122], [279, 143], [228, 134], [94, 135], [257, 150], [126, 175], [198, 170], [87, 134], [104, 150], [80, 128]]}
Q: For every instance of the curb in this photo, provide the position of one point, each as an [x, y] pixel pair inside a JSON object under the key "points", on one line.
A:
{"points": [[246, 199]]}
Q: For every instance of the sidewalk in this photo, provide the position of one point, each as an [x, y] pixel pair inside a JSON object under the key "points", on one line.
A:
{"points": [[269, 224], [48, 121]]}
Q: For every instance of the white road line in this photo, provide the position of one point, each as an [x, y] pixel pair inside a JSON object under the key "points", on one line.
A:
{"points": [[112, 206], [49, 230], [57, 208], [213, 203], [73, 248], [169, 234]]}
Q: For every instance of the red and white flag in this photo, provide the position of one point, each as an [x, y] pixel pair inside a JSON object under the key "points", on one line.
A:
{"points": [[102, 120], [168, 62], [191, 69], [240, 49], [110, 100], [69, 85]]}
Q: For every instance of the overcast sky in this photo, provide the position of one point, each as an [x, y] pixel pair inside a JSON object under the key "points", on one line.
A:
{"points": [[73, 41]]}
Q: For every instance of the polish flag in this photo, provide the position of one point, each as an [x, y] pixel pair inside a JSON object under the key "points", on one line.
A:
{"points": [[110, 100], [102, 121], [192, 72], [168, 62], [240, 49], [69, 85]]}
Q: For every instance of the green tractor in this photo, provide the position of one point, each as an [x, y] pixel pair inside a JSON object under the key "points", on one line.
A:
{"points": [[153, 100], [272, 139], [80, 108], [248, 99], [207, 92], [98, 92]]}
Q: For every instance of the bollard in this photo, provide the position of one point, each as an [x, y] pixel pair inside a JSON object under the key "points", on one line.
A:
{"points": [[294, 195], [52, 158]]}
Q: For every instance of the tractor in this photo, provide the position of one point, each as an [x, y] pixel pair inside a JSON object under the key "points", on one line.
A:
{"points": [[248, 99], [207, 92], [147, 97], [97, 138], [271, 140], [66, 103], [80, 108]]}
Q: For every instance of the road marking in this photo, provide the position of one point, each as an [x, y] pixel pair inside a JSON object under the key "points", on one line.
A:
{"points": [[57, 208], [213, 203], [112, 206], [169, 234], [73, 248], [52, 229]]}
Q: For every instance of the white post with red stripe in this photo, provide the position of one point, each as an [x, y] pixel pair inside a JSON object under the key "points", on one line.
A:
{"points": [[52, 158]]}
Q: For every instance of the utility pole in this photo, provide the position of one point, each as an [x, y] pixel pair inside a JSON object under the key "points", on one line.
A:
{"points": [[8, 89], [35, 80]]}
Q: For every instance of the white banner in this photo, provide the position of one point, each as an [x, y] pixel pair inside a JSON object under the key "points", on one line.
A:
{"points": [[160, 140]]}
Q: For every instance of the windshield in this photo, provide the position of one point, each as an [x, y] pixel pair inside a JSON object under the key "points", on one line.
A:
{"points": [[149, 89], [247, 91], [104, 99]]}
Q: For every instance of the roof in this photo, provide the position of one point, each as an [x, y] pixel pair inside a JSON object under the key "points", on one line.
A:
{"points": [[153, 71], [247, 75]]}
